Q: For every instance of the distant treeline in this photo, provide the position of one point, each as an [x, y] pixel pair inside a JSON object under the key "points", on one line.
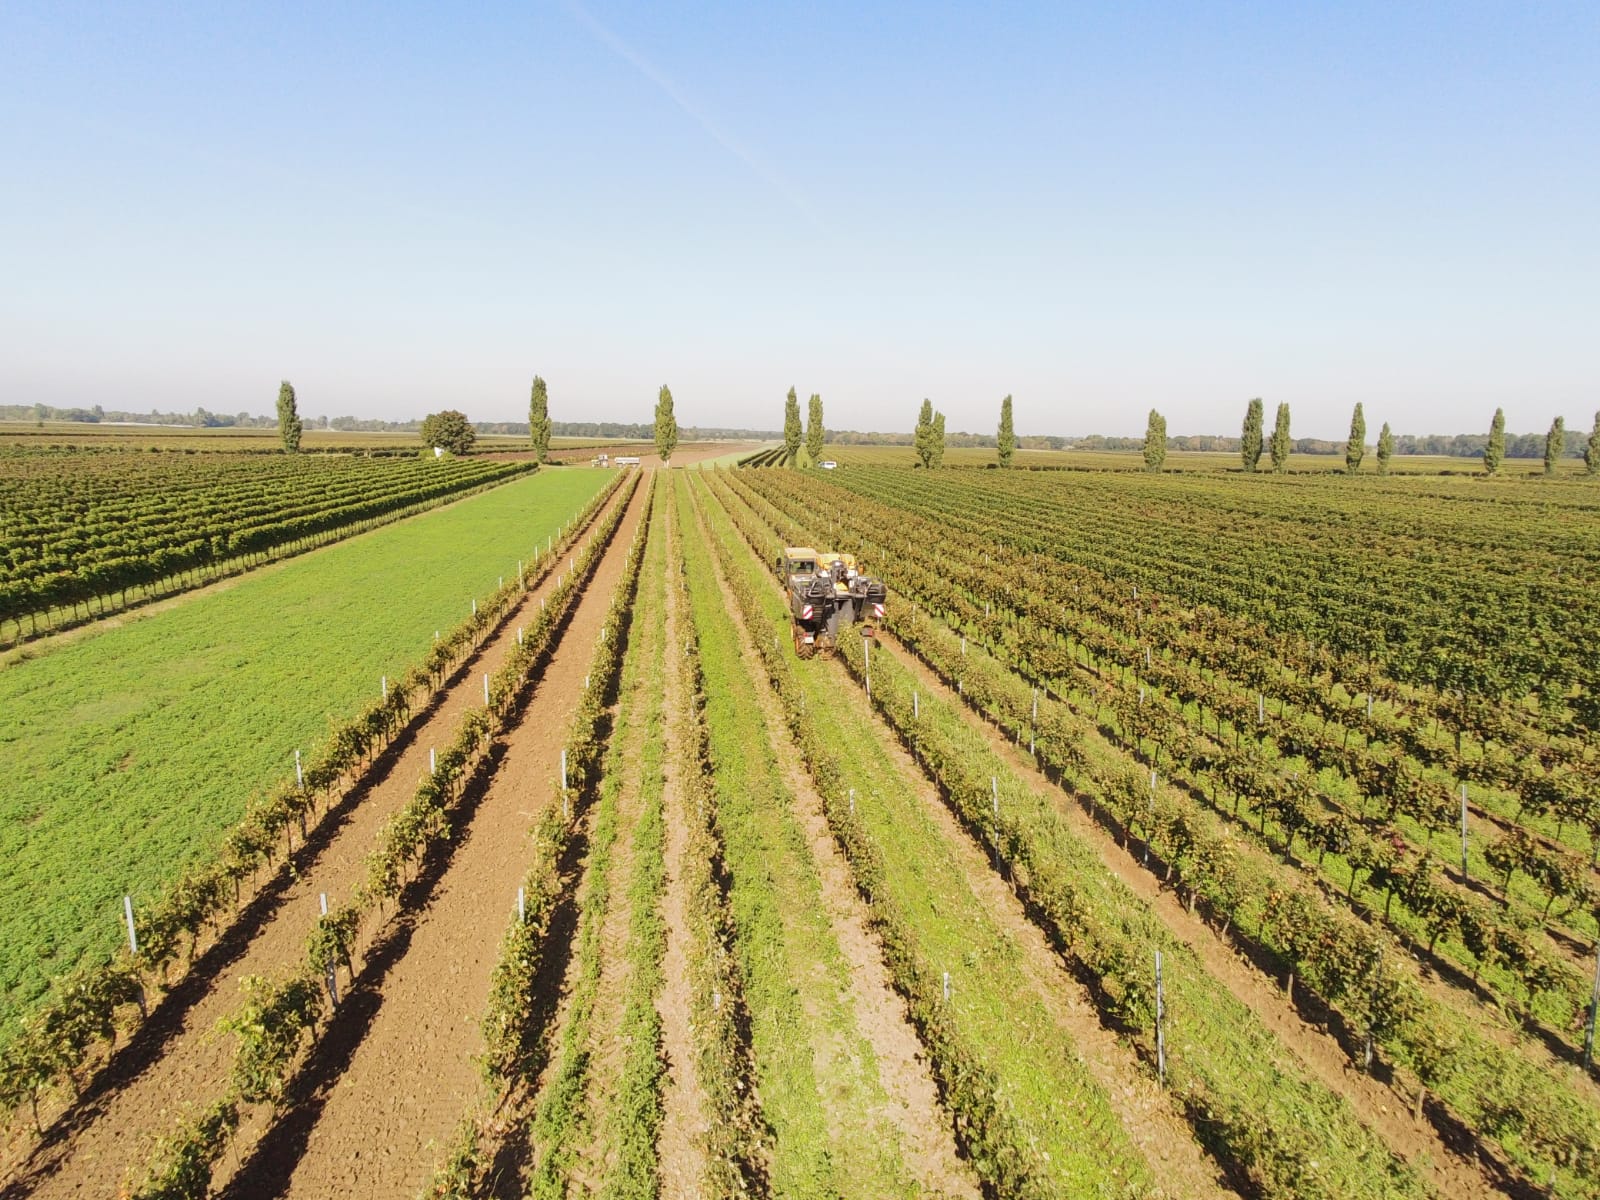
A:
{"points": [[641, 432], [1457, 445]]}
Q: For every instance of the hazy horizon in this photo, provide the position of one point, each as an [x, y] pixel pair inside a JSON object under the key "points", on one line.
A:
{"points": [[1098, 211]]}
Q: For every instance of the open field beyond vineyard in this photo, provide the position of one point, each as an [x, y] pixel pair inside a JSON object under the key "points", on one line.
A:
{"points": [[1187, 835]]}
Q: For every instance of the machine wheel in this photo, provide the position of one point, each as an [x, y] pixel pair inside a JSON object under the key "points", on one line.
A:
{"points": [[802, 648]]}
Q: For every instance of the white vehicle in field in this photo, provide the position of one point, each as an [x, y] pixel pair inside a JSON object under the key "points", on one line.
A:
{"points": [[626, 460], [827, 464]]}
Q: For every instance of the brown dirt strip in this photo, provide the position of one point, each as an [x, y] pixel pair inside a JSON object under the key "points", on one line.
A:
{"points": [[174, 1059], [608, 1049], [912, 1099], [392, 1074], [681, 1147], [1386, 1112]]}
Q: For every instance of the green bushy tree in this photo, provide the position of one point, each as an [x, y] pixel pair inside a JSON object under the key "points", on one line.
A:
{"points": [[666, 425], [1155, 442], [289, 427], [1356, 447], [450, 430], [922, 438], [1282, 443], [1495, 451], [539, 420], [791, 428], [1006, 442], [1554, 443], [1250, 435]]}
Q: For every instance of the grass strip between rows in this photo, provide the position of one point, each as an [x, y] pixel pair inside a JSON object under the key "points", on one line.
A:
{"points": [[737, 1136], [1029, 1118], [821, 1091]]}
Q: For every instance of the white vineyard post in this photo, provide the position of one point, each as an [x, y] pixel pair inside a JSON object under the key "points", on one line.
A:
{"points": [[133, 947], [519, 635], [522, 905], [916, 707], [486, 687], [383, 686], [1149, 833], [947, 986], [1369, 706], [299, 775], [502, 581], [1463, 831], [566, 811], [1161, 1026], [1261, 709], [994, 792], [433, 761], [963, 645], [852, 802], [333, 970], [474, 606], [133, 937], [1377, 970], [1594, 1007]]}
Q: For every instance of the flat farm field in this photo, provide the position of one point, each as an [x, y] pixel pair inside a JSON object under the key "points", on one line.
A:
{"points": [[133, 748]]}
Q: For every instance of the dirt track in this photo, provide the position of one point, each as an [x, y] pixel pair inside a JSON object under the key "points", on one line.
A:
{"points": [[175, 1060]]}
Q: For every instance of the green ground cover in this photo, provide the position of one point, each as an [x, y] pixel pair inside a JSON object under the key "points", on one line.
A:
{"points": [[133, 749], [796, 978]]}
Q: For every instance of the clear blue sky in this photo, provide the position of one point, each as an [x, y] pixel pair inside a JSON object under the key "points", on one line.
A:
{"points": [[1097, 208]]}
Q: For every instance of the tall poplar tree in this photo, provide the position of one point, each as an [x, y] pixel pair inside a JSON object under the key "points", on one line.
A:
{"points": [[1591, 452], [1250, 436], [791, 428], [922, 439], [1356, 447], [1385, 449], [1155, 442], [539, 420], [1554, 443], [666, 426], [937, 440], [1495, 451], [289, 427], [815, 434], [1006, 442], [1281, 442]]}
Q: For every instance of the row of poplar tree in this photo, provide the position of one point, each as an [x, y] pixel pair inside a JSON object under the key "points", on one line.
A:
{"points": [[1280, 444]]}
